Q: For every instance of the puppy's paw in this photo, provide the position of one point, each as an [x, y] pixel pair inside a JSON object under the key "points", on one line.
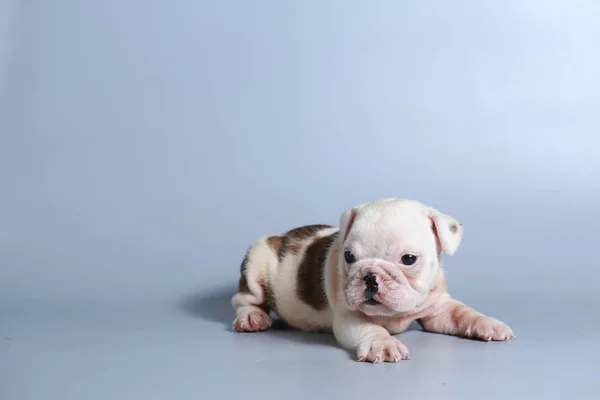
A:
{"points": [[382, 348], [487, 328], [252, 320]]}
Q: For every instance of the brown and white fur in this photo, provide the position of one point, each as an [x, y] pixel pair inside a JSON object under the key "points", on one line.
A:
{"points": [[304, 277]]}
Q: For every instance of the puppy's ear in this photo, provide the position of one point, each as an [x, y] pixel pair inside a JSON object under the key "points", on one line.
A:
{"points": [[347, 219], [447, 229]]}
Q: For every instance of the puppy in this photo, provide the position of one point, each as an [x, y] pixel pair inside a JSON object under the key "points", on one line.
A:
{"points": [[364, 281]]}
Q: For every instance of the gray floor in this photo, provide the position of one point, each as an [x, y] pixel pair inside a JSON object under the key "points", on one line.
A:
{"points": [[187, 350], [144, 144]]}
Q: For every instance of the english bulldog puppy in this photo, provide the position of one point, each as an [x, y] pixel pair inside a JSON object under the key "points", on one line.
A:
{"points": [[364, 281]]}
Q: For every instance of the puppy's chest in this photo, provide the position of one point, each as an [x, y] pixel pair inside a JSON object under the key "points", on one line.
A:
{"points": [[394, 325]]}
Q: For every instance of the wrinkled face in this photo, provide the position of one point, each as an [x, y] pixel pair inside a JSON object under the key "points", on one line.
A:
{"points": [[390, 255]]}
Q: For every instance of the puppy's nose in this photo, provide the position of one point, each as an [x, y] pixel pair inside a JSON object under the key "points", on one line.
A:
{"points": [[371, 282]]}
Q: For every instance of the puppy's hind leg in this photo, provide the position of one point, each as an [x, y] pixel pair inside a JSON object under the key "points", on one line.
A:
{"points": [[252, 303]]}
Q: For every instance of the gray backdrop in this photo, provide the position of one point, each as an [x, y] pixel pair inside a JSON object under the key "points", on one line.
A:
{"points": [[144, 144]]}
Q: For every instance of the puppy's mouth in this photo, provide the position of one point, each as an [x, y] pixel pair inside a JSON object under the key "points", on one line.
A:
{"points": [[372, 302], [370, 299], [371, 289]]}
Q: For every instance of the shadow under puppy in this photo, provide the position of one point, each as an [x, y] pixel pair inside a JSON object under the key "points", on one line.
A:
{"points": [[366, 280]]}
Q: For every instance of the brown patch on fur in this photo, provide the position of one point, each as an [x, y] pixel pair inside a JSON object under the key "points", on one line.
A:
{"points": [[275, 243], [292, 241], [453, 228], [243, 282], [307, 231], [311, 288]]}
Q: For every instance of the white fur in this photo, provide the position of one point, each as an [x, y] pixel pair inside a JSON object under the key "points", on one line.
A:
{"points": [[378, 234]]}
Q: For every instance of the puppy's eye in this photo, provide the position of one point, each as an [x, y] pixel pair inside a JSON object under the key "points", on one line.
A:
{"points": [[349, 257], [409, 259]]}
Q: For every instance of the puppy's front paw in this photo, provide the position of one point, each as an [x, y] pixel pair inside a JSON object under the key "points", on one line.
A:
{"points": [[488, 328], [382, 348], [252, 320]]}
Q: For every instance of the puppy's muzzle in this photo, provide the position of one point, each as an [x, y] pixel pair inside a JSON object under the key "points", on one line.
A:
{"points": [[371, 289]]}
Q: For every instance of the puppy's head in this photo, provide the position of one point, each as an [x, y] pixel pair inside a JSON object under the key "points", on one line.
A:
{"points": [[390, 252]]}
